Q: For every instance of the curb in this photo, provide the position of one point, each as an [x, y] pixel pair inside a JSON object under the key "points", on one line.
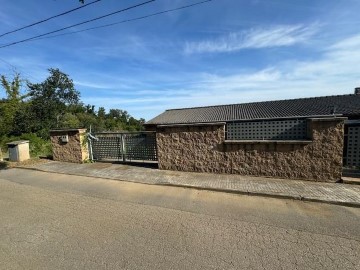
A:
{"points": [[268, 195], [231, 191]]}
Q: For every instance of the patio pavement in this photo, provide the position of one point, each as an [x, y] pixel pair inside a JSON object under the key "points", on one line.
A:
{"points": [[334, 193]]}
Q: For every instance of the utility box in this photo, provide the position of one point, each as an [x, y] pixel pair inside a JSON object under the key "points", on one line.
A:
{"points": [[64, 138], [18, 151]]}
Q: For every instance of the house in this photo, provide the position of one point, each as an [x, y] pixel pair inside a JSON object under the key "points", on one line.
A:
{"points": [[296, 139]]}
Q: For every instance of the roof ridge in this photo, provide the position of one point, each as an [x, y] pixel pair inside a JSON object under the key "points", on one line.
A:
{"points": [[256, 102]]}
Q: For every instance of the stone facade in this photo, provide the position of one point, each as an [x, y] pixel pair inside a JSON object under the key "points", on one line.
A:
{"points": [[75, 150], [203, 148]]}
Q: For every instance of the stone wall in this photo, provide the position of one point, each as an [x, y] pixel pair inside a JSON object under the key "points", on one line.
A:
{"points": [[204, 149], [75, 150]]}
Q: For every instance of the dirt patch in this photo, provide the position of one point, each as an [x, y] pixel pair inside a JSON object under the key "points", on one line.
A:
{"points": [[27, 163]]}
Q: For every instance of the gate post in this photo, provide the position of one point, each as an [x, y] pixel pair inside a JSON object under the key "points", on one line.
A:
{"points": [[69, 145], [123, 147]]}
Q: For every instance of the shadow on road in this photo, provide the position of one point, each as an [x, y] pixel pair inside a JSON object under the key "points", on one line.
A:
{"points": [[140, 164], [150, 165], [4, 165]]}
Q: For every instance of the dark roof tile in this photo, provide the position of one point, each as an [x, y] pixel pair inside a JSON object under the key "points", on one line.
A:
{"points": [[347, 105]]}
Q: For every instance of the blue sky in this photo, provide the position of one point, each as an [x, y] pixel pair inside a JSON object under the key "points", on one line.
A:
{"points": [[224, 51]]}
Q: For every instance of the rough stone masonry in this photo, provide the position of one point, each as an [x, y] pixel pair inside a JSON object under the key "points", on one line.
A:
{"points": [[74, 150], [203, 148]]}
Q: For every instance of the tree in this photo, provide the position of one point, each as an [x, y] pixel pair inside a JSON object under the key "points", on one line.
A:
{"points": [[12, 89], [24, 120], [58, 88], [69, 120], [90, 109], [10, 105], [51, 98], [54, 103], [101, 112]]}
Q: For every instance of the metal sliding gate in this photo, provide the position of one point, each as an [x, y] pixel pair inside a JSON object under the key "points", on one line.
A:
{"points": [[352, 144], [132, 146]]}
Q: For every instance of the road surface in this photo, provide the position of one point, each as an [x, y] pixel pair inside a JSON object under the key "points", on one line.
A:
{"points": [[52, 221]]}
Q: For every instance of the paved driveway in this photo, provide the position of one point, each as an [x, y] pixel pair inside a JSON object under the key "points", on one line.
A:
{"points": [[51, 221]]}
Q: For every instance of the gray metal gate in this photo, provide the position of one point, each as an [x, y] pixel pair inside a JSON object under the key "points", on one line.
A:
{"points": [[131, 146], [352, 144]]}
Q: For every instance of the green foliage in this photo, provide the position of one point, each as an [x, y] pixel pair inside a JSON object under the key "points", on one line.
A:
{"points": [[12, 89], [101, 113], [50, 99], [38, 146], [69, 120], [11, 104], [53, 103]]}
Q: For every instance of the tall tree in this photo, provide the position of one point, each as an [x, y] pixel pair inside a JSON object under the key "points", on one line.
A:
{"points": [[12, 88], [101, 113], [57, 88], [51, 98], [10, 106]]}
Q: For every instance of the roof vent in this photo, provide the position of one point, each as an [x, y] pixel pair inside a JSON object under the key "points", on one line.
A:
{"points": [[357, 91]]}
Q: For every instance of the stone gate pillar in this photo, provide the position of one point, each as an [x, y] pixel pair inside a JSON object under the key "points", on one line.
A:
{"points": [[69, 145]]}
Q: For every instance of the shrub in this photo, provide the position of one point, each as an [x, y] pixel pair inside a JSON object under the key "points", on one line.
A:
{"points": [[38, 146]]}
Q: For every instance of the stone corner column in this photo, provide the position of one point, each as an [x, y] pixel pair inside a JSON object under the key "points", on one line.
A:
{"points": [[327, 135]]}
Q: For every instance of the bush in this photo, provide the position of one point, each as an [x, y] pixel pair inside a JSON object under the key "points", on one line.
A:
{"points": [[38, 146]]}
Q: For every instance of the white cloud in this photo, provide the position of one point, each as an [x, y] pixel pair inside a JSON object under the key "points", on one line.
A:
{"points": [[276, 36], [337, 71]]}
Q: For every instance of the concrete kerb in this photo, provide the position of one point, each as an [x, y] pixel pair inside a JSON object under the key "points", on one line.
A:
{"points": [[268, 195], [231, 191]]}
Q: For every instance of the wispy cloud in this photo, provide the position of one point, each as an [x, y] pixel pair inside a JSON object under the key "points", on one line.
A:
{"points": [[276, 36], [335, 72]]}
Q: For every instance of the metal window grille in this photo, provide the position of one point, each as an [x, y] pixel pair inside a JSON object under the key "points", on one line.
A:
{"points": [[294, 129], [353, 147]]}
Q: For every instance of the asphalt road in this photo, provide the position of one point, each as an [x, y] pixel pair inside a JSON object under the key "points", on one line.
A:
{"points": [[50, 221]]}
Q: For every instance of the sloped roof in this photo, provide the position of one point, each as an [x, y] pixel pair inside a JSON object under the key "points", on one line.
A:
{"points": [[345, 105]]}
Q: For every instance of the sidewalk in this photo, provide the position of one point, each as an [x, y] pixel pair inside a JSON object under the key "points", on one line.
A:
{"points": [[342, 194]]}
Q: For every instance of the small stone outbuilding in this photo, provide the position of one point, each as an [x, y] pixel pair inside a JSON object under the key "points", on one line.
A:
{"points": [[295, 139], [69, 145]]}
